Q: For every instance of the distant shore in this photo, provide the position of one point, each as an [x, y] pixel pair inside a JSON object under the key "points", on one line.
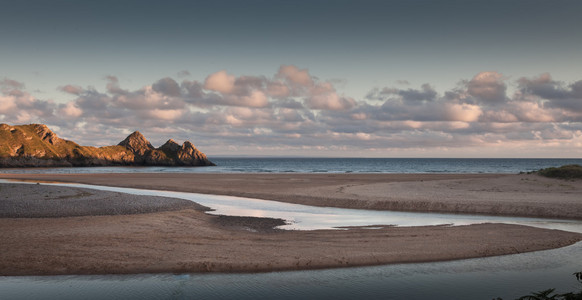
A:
{"points": [[122, 234]]}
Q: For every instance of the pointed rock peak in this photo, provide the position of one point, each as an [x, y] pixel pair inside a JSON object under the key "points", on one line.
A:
{"points": [[189, 149], [187, 145], [170, 145], [137, 136], [137, 143]]}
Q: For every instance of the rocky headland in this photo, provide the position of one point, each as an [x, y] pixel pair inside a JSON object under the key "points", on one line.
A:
{"points": [[35, 145]]}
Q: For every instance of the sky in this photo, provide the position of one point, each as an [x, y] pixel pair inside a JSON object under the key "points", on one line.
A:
{"points": [[337, 78]]}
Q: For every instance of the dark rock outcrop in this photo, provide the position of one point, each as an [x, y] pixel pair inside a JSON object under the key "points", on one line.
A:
{"points": [[35, 145]]}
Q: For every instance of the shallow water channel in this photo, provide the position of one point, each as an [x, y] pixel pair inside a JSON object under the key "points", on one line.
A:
{"points": [[507, 276], [304, 217]]}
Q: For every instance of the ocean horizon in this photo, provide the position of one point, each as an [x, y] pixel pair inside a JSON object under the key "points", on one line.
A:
{"points": [[246, 164]]}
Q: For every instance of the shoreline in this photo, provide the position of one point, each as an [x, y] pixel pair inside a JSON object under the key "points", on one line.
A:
{"points": [[179, 238]]}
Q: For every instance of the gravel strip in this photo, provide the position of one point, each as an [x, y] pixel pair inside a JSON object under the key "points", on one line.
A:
{"points": [[42, 201]]}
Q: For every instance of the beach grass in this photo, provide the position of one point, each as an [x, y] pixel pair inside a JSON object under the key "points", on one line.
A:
{"points": [[563, 172]]}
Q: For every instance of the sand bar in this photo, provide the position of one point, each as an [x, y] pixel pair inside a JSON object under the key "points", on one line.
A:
{"points": [[526, 195], [155, 234]]}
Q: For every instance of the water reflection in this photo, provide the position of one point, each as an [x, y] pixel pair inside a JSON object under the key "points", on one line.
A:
{"points": [[507, 276]]}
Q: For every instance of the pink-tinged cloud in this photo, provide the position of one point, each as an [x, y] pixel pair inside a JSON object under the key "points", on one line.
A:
{"points": [[7, 104], [532, 112], [289, 115], [295, 75], [278, 89], [463, 112], [329, 101], [255, 99], [165, 114], [323, 96], [70, 110], [7, 83], [72, 89], [359, 116], [147, 98], [220, 82]]}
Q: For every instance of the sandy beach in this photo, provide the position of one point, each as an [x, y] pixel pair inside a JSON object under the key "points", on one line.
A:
{"points": [[61, 230]]}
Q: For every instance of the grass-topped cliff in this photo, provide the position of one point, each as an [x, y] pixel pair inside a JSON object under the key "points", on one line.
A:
{"points": [[35, 145]]}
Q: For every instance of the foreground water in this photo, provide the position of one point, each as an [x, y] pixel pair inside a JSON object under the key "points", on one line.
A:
{"points": [[336, 165], [508, 277], [485, 278]]}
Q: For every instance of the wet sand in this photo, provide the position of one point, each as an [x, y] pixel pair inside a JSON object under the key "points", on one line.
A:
{"points": [[167, 235]]}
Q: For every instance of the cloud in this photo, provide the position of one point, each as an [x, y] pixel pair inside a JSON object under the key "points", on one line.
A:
{"points": [[543, 86], [19, 106], [290, 87], [292, 110], [487, 87], [220, 82], [168, 87], [427, 93], [295, 76], [424, 94], [323, 96], [193, 90], [70, 110], [256, 98], [552, 94], [289, 103], [71, 89], [463, 112], [278, 89], [7, 104], [183, 73], [164, 114], [8, 83]]}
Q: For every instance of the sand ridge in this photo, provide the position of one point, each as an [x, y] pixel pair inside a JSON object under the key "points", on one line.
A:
{"points": [[187, 241]]}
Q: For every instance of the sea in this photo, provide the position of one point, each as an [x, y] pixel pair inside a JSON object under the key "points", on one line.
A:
{"points": [[336, 165]]}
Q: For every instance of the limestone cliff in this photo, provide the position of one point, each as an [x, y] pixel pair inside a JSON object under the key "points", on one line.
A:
{"points": [[35, 145]]}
